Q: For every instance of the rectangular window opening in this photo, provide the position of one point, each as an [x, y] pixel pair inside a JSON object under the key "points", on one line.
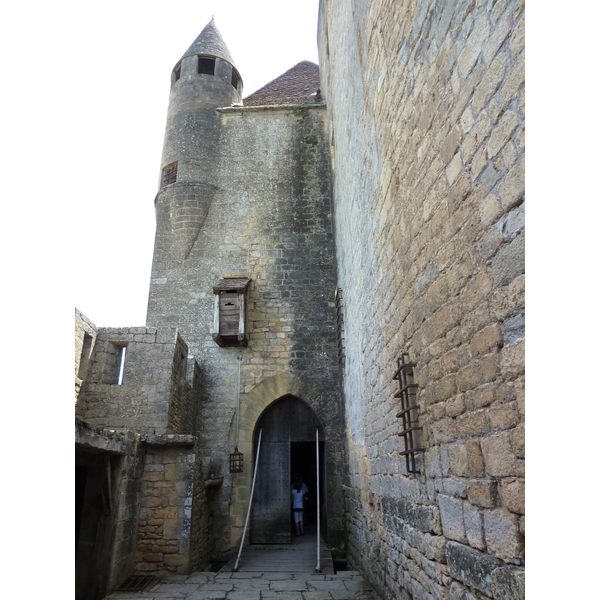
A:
{"points": [[169, 174], [122, 365], [86, 352], [178, 72], [235, 78], [206, 66]]}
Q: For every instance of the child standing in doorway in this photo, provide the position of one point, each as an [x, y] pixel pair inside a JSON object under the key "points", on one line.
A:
{"points": [[299, 491]]}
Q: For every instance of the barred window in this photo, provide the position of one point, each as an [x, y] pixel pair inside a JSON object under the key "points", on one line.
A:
{"points": [[169, 174]]}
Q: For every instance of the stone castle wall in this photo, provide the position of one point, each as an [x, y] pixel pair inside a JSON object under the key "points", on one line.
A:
{"points": [[426, 109], [270, 217], [159, 389], [85, 338], [169, 536]]}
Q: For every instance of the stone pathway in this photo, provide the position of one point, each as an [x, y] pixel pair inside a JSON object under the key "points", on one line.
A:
{"points": [[345, 585]]}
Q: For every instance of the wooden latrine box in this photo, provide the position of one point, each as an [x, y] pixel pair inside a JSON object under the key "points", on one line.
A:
{"points": [[231, 299]]}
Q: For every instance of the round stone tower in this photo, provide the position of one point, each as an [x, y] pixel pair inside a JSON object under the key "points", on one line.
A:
{"points": [[204, 79]]}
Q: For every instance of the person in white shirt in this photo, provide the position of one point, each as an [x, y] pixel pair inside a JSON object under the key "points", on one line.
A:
{"points": [[299, 491]]}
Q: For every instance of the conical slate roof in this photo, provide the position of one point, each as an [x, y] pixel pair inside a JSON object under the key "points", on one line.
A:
{"points": [[210, 42], [295, 86]]}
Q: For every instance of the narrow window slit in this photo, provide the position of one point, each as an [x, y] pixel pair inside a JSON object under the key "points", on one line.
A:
{"points": [[122, 365]]}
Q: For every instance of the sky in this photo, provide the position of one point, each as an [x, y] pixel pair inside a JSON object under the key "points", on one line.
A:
{"points": [[117, 62]]}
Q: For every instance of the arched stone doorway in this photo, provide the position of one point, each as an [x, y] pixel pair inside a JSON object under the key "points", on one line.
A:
{"points": [[288, 446], [252, 407]]}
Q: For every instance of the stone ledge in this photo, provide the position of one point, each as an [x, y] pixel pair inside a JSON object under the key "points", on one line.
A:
{"points": [[485, 573], [240, 109], [167, 439]]}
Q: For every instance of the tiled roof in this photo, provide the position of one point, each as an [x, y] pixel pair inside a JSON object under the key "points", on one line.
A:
{"points": [[295, 86], [210, 42]]}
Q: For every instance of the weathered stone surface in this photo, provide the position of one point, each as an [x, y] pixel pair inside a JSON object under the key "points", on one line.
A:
{"points": [[498, 455], [513, 495], [451, 514], [502, 536], [482, 493]]}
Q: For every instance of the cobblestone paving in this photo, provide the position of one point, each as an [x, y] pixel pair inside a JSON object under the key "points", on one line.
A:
{"points": [[347, 585]]}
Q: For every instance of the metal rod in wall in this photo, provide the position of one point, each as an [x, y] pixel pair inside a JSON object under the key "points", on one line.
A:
{"points": [[318, 569], [237, 562], [237, 410]]}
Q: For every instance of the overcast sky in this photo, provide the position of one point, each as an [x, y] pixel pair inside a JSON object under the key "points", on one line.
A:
{"points": [[109, 108]]}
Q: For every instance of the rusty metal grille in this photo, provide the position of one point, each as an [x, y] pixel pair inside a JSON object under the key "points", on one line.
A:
{"points": [[136, 583], [341, 339], [408, 410], [170, 174]]}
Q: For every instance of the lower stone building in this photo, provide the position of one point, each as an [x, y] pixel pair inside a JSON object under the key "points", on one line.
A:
{"points": [[339, 257]]}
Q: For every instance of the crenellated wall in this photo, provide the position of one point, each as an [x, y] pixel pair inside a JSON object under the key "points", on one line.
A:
{"points": [[426, 108], [159, 389]]}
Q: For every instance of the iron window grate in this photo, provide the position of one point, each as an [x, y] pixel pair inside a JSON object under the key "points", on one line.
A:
{"points": [[170, 174], [341, 337], [136, 583], [409, 425]]}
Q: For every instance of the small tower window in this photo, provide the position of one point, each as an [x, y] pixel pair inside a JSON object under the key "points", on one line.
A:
{"points": [[169, 174], [178, 72], [235, 78], [206, 66]]}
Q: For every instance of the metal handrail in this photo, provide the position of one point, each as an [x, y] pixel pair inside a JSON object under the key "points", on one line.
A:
{"points": [[235, 568]]}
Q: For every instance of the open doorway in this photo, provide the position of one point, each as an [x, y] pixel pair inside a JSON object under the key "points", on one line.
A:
{"points": [[303, 460], [288, 445]]}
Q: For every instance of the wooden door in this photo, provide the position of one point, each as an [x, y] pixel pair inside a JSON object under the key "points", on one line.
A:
{"points": [[288, 420]]}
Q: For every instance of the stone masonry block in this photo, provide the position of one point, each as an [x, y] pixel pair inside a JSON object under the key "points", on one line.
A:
{"points": [[485, 573], [512, 188], [472, 424], [502, 536], [455, 406], [513, 495], [451, 514], [482, 493], [516, 42], [509, 261], [454, 169], [504, 417], [513, 83], [518, 442], [474, 526], [487, 340], [498, 455], [475, 458], [497, 38], [490, 82], [476, 137], [459, 464], [479, 35], [513, 359], [502, 133]]}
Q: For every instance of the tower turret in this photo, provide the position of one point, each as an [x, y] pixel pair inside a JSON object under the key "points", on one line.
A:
{"points": [[204, 79]]}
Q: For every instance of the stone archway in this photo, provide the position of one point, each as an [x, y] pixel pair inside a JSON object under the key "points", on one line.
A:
{"points": [[252, 407]]}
